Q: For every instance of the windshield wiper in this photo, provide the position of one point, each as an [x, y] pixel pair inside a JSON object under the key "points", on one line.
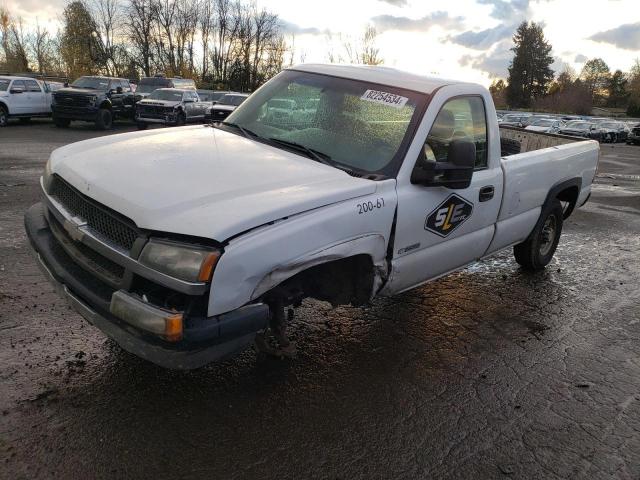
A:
{"points": [[245, 131], [315, 154]]}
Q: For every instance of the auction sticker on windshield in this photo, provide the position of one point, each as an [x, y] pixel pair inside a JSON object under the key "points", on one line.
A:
{"points": [[384, 98]]}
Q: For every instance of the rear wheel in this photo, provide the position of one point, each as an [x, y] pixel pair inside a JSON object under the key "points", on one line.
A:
{"points": [[104, 120], [4, 117], [537, 250], [61, 122]]}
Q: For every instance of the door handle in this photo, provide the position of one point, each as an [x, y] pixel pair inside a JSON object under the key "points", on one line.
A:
{"points": [[486, 193]]}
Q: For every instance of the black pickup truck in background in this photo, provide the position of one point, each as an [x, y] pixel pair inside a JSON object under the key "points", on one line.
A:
{"points": [[100, 100]]}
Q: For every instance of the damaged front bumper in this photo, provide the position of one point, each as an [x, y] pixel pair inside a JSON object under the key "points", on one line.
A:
{"points": [[203, 340]]}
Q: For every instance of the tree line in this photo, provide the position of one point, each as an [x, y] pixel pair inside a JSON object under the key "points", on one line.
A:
{"points": [[532, 84], [220, 43]]}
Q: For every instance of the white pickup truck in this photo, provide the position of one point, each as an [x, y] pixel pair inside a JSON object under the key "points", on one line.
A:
{"points": [[23, 98], [187, 245]]}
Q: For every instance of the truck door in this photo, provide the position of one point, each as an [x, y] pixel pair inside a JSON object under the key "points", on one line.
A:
{"points": [[439, 229], [18, 100], [35, 97]]}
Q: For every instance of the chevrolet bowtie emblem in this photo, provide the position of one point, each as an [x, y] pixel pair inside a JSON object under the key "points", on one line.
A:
{"points": [[72, 226]]}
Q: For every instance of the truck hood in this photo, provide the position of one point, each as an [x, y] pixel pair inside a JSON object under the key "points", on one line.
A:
{"points": [[159, 103], [200, 180], [79, 91], [229, 108]]}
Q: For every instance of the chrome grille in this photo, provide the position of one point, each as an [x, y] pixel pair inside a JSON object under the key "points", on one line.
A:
{"points": [[88, 258], [119, 231]]}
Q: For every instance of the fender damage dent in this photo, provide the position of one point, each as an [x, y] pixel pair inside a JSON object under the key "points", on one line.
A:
{"points": [[373, 246]]}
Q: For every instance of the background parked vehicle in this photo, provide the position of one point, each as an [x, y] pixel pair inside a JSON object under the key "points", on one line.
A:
{"points": [[93, 99], [170, 106], [545, 125], [615, 131], [583, 129], [514, 120], [634, 136], [149, 84], [213, 96], [226, 105], [23, 98]]}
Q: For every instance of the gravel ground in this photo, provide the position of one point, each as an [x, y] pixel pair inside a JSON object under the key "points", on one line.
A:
{"points": [[487, 373]]}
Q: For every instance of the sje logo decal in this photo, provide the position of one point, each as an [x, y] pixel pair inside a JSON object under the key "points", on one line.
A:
{"points": [[448, 216]]}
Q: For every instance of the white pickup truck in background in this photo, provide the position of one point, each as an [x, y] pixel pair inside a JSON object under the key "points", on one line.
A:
{"points": [[187, 245], [23, 97]]}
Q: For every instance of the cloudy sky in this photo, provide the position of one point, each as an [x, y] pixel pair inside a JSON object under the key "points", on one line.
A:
{"points": [[466, 39]]}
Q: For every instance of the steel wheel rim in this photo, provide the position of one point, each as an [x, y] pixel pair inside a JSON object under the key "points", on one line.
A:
{"points": [[547, 235], [3, 117]]}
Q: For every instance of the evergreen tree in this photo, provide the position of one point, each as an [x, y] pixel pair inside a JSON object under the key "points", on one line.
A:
{"points": [[80, 46], [634, 90], [617, 90], [596, 76], [530, 71]]}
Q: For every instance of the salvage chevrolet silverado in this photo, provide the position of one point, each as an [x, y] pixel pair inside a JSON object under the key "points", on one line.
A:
{"points": [[187, 245]]}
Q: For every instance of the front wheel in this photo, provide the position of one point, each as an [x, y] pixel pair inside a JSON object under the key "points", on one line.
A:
{"points": [[181, 120], [537, 250], [61, 122], [4, 117], [142, 125], [104, 120]]}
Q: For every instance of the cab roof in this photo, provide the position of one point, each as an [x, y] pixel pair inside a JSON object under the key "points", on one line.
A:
{"points": [[382, 75]]}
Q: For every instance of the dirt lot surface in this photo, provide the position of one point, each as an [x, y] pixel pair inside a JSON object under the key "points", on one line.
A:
{"points": [[488, 373]]}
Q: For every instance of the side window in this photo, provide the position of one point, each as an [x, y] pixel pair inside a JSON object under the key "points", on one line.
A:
{"points": [[19, 84], [459, 119], [32, 86]]}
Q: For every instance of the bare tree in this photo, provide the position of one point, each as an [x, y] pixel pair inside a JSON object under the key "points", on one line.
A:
{"points": [[108, 19], [139, 28], [43, 49]]}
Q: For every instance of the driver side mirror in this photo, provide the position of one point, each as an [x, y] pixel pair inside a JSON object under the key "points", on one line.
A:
{"points": [[455, 173], [17, 90]]}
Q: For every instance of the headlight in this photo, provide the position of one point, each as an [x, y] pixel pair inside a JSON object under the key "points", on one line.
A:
{"points": [[47, 176], [192, 264]]}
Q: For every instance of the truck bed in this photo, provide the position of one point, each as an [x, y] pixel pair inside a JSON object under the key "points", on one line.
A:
{"points": [[516, 140], [543, 163]]}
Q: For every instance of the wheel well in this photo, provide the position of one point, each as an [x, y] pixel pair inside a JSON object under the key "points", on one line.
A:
{"points": [[106, 105], [4, 106], [569, 195], [340, 282]]}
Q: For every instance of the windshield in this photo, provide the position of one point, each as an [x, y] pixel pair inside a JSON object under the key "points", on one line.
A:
{"points": [[577, 125], [4, 85], [165, 94], [543, 123], [234, 100], [93, 83], [356, 124], [147, 87]]}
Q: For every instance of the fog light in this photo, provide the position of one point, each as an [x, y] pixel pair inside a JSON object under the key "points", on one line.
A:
{"points": [[147, 317]]}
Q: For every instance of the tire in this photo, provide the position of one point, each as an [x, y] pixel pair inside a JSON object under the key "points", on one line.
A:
{"points": [[181, 120], [4, 117], [537, 250], [61, 122], [142, 126], [25, 120], [104, 120]]}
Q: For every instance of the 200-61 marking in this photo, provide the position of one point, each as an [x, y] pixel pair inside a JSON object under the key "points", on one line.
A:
{"points": [[370, 206]]}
